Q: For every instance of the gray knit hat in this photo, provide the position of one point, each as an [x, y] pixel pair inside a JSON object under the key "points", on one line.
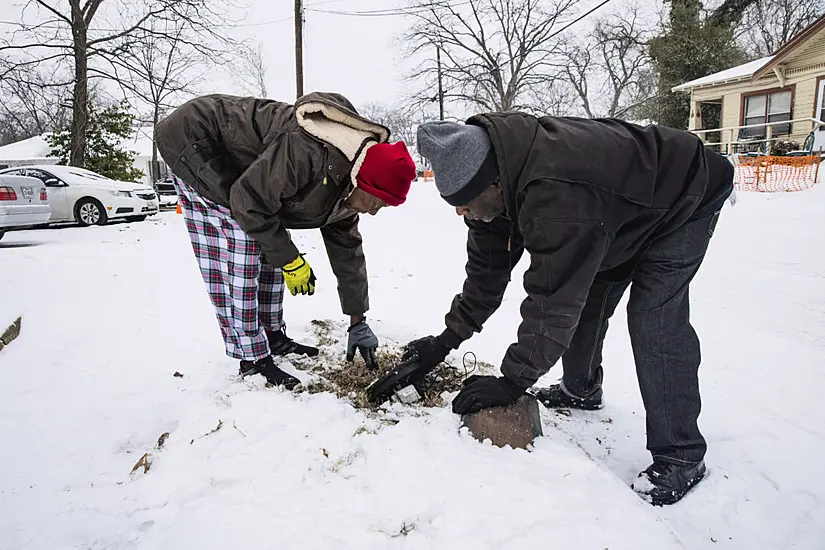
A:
{"points": [[462, 157]]}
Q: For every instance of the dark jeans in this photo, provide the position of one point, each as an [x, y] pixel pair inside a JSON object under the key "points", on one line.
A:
{"points": [[665, 346]]}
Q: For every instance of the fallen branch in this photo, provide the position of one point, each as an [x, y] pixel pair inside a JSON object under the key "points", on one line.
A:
{"points": [[11, 333], [145, 462], [237, 428], [403, 532], [217, 428]]}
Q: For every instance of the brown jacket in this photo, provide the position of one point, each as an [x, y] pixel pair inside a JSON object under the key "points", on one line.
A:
{"points": [[584, 198], [276, 167]]}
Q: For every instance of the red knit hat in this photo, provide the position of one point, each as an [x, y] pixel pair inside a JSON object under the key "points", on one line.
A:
{"points": [[387, 172]]}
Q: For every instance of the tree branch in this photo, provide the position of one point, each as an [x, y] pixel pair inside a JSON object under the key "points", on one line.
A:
{"points": [[43, 4]]}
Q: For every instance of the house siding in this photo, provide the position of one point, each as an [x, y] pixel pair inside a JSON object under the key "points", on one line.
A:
{"points": [[813, 53], [802, 72]]}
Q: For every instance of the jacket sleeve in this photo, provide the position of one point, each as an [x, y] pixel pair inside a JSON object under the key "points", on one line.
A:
{"points": [[255, 199], [346, 256], [564, 232], [488, 268]]}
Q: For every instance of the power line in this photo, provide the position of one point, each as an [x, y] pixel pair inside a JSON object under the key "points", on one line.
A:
{"points": [[326, 2], [264, 22], [283, 19], [576, 20], [391, 12]]}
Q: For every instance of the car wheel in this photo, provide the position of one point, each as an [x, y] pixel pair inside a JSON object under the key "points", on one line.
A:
{"points": [[90, 212], [135, 218]]}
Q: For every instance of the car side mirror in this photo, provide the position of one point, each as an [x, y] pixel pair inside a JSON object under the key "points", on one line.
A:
{"points": [[54, 182]]}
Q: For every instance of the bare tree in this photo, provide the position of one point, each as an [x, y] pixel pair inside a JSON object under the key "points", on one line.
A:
{"points": [[495, 54], [253, 70], [558, 98], [579, 72], [157, 69], [89, 35], [401, 119], [623, 54], [611, 73], [32, 103], [768, 24]]}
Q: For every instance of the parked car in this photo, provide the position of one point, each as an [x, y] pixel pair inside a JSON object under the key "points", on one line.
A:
{"points": [[23, 202], [80, 195], [167, 194]]}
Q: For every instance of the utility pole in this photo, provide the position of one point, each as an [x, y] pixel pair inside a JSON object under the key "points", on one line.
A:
{"points": [[299, 48], [440, 85]]}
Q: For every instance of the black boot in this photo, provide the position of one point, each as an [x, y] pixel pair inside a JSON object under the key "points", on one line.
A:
{"points": [[559, 396], [273, 374], [666, 482], [281, 344]]}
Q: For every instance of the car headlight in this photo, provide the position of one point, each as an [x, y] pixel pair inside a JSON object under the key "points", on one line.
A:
{"points": [[125, 194]]}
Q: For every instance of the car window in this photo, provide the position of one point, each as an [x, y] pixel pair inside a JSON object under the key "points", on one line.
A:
{"points": [[43, 176], [14, 172]]}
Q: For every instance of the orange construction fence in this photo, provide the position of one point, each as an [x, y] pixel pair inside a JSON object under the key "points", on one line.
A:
{"points": [[773, 174]]}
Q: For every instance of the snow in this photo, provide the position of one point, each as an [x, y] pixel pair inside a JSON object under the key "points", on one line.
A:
{"points": [[734, 73], [38, 148], [33, 148], [110, 313]]}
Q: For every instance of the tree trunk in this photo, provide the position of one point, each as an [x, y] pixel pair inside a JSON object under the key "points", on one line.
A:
{"points": [[80, 95], [155, 167]]}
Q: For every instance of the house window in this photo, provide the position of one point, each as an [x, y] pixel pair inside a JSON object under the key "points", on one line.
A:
{"points": [[822, 106], [772, 107]]}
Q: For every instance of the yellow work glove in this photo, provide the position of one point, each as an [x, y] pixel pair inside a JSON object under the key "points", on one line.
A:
{"points": [[299, 277]]}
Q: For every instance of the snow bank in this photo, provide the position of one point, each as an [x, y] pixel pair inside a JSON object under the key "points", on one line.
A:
{"points": [[111, 313]]}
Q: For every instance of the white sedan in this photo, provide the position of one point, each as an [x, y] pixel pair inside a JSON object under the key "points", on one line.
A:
{"points": [[76, 194], [23, 202]]}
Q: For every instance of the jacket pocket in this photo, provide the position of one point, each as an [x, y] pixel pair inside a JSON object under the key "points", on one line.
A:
{"points": [[336, 167], [194, 155]]}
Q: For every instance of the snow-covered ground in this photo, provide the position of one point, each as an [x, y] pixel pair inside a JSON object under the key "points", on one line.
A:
{"points": [[111, 313]]}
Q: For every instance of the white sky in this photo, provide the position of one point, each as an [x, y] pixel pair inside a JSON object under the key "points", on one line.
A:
{"points": [[355, 56], [359, 57]]}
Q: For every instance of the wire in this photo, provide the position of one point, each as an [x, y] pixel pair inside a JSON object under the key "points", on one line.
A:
{"points": [[308, 7], [290, 18], [390, 12], [468, 371], [576, 20]]}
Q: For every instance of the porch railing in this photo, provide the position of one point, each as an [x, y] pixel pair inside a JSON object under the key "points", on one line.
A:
{"points": [[735, 145]]}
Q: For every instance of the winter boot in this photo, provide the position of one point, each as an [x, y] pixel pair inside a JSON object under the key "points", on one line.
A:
{"points": [[559, 397], [267, 368], [666, 482], [281, 344]]}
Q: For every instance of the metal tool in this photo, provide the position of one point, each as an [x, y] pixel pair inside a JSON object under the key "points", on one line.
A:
{"points": [[401, 384]]}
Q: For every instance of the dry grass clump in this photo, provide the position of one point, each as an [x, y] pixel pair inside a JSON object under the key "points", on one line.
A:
{"points": [[350, 380]]}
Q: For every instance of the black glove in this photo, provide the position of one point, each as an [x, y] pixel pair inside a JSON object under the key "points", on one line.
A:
{"points": [[362, 338], [482, 392], [428, 352]]}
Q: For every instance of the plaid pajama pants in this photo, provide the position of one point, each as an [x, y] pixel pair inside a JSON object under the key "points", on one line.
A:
{"points": [[245, 290]]}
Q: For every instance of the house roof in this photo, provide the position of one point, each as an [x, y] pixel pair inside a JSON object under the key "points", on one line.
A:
{"points": [[37, 147], [28, 149], [757, 69], [734, 74], [791, 46]]}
